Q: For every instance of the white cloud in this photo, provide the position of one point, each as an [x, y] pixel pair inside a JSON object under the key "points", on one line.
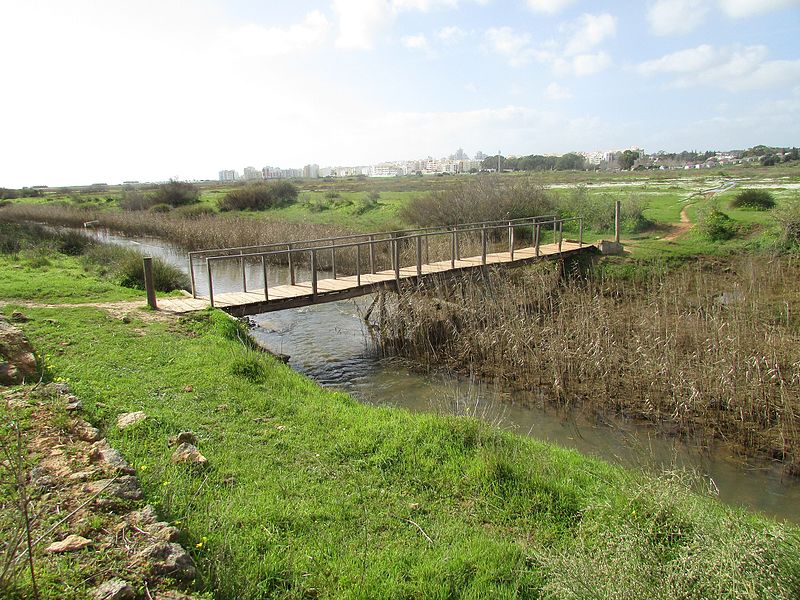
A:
{"points": [[515, 47], [748, 8], [360, 22], [588, 31], [415, 42], [555, 91], [670, 17], [256, 40], [583, 64], [549, 6], [733, 68], [451, 34]]}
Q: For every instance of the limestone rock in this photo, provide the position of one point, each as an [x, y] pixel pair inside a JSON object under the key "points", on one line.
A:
{"points": [[85, 431], [184, 437], [167, 559], [123, 488], [188, 453], [143, 517], [73, 404], [70, 543], [18, 317], [114, 589], [104, 454], [17, 361], [132, 418]]}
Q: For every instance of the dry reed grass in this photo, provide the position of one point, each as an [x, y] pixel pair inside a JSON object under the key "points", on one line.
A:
{"points": [[707, 347]]}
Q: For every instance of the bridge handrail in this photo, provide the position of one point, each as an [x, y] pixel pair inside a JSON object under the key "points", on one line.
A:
{"points": [[392, 233], [394, 245]]}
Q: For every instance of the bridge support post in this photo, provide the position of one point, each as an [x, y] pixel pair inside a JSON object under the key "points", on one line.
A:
{"points": [[617, 215], [396, 260], [149, 286], [372, 254], [210, 282], [483, 245], [244, 273], [580, 234], [291, 264], [511, 240], [536, 235], [560, 235], [191, 273], [358, 265]]}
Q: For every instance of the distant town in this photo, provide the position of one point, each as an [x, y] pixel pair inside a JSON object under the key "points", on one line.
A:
{"points": [[634, 158]]}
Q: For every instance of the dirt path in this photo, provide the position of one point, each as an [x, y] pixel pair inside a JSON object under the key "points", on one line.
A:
{"points": [[115, 309], [680, 228]]}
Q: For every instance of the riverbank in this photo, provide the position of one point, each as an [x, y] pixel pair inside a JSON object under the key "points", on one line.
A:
{"points": [[308, 492]]}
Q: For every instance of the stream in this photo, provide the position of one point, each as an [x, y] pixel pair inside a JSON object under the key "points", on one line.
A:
{"points": [[329, 344]]}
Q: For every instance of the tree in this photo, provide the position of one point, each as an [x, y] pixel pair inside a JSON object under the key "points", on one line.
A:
{"points": [[627, 159], [571, 162]]}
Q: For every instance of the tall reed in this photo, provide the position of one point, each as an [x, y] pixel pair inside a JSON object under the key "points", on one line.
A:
{"points": [[706, 347]]}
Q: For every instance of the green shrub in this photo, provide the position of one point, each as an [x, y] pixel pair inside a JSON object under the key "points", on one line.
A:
{"points": [[126, 266], [754, 199], [160, 208], [176, 193], [367, 203], [788, 221], [317, 205], [260, 196], [135, 200], [717, 226], [192, 211], [72, 243]]}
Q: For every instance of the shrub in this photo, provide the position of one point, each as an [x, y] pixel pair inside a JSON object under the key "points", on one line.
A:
{"points": [[176, 193], [368, 202], [192, 211], [260, 196], [72, 243], [317, 205], [481, 198], [4, 203], [160, 208], [125, 265], [788, 220], [754, 199], [717, 226], [135, 200]]}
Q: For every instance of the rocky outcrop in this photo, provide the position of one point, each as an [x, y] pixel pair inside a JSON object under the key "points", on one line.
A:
{"points": [[17, 361], [188, 454], [126, 420]]}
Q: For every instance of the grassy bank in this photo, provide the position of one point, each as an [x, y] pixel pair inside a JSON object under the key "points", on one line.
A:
{"points": [[311, 494]]}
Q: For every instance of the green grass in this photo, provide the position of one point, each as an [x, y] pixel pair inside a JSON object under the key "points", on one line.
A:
{"points": [[311, 494]]}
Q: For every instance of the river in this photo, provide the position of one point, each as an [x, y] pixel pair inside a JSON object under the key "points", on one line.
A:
{"points": [[329, 344]]}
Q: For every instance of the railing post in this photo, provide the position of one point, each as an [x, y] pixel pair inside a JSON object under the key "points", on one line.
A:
{"points": [[149, 286], [555, 231], [453, 249], [266, 282], [427, 253], [419, 255], [392, 246], [191, 272], [457, 245], [210, 282], [483, 245], [511, 240], [580, 232], [537, 233], [333, 259], [560, 235], [396, 260], [617, 216], [291, 264], [244, 272], [372, 254], [313, 272], [358, 265]]}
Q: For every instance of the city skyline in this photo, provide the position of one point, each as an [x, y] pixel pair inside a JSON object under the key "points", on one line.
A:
{"points": [[153, 90]]}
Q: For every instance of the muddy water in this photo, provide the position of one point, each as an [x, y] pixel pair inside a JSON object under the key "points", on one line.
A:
{"points": [[328, 344]]}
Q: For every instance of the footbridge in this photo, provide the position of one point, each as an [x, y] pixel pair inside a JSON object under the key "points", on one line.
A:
{"points": [[256, 279]]}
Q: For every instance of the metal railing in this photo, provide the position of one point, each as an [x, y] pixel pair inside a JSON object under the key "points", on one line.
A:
{"points": [[369, 245]]}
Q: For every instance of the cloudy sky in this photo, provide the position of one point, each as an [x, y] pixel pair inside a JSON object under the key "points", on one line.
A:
{"points": [[109, 90]]}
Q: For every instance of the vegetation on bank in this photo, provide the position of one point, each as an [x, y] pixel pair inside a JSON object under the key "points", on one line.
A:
{"points": [[27, 250], [309, 493]]}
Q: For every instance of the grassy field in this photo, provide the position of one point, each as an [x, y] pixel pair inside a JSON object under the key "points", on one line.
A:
{"points": [[311, 494]]}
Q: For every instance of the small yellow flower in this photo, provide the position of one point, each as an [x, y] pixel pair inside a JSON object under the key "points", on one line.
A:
{"points": [[198, 545], [143, 468], [165, 483]]}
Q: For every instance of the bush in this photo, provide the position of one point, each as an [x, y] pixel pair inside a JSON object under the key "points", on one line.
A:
{"points": [[160, 208], [194, 210], [755, 199], [176, 193], [717, 226], [4, 203], [481, 198], [260, 196], [135, 200], [368, 202], [125, 265], [72, 243], [788, 220]]}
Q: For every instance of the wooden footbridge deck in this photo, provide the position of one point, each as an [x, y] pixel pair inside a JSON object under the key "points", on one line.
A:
{"points": [[330, 269]]}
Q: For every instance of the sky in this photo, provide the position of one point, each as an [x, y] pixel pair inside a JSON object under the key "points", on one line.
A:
{"points": [[110, 90]]}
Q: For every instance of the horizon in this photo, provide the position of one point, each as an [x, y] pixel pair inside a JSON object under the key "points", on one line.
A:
{"points": [[111, 92]]}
